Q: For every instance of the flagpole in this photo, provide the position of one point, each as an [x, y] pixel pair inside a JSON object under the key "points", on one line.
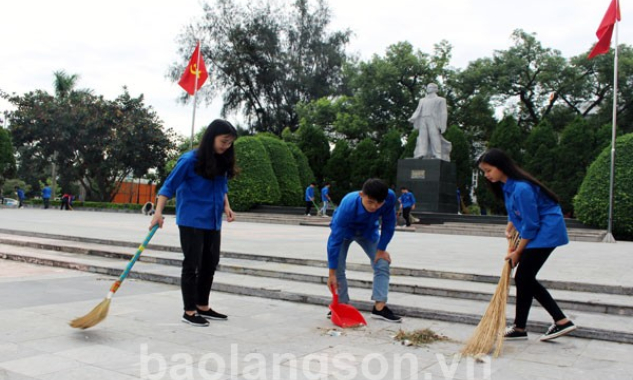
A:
{"points": [[608, 238], [195, 95]]}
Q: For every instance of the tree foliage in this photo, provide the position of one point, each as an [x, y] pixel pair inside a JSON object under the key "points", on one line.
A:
{"points": [[337, 170], [94, 141], [266, 57]]}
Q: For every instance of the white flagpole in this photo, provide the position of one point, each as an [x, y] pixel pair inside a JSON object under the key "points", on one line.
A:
{"points": [[195, 94], [609, 236]]}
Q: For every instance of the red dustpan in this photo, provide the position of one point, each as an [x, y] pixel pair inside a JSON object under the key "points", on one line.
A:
{"points": [[345, 315]]}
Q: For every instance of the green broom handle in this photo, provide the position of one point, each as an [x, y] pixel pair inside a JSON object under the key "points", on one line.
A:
{"points": [[129, 266]]}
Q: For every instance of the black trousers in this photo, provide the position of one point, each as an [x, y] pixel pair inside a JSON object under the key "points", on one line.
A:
{"points": [[406, 211], [528, 286], [201, 249], [308, 207]]}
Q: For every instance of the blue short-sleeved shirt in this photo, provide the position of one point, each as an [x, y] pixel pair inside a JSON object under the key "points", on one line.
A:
{"points": [[350, 219], [199, 201], [407, 200], [536, 216], [46, 192], [309, 193], [324, 194]]}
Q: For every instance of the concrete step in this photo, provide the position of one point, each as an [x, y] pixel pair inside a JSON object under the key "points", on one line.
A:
{"points": [[591, 325], [164, 255], [361, 278]]}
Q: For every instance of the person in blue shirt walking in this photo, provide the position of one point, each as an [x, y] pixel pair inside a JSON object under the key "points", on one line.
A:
{"points": [[46, 196], [325, 198], [309, 197], [200, 183], [535, 213], [20, 193], [407, 204], [356, 219]]}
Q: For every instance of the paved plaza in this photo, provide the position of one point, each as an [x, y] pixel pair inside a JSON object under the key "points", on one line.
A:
{"points": [[143, 338]]}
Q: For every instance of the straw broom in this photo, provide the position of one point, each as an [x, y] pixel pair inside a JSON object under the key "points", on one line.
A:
{"points": [[491, 328], [100, 312]]}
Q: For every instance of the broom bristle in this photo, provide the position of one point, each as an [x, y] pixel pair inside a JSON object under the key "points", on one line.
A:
{"points": [[96, 315], [491, 328]]}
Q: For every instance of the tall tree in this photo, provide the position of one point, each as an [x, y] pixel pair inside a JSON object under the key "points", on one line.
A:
{"points": [[267, 58], [337, 170], [97, 142], [7, 158]]}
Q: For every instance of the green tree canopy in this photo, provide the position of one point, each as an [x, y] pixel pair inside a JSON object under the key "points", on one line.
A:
{"points": [[268, 57]]}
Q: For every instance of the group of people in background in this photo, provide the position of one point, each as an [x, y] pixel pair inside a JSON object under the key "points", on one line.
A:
{"points": [[66, 199], [310, 199], [367, 217]]}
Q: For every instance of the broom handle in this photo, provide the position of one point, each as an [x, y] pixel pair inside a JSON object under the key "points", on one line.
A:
{"points": [[129, 266]]}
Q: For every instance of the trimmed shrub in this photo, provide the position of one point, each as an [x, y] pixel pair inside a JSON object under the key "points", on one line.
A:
{"points": [[256, 183], [592, 202], [306, 176], [286, 171]]}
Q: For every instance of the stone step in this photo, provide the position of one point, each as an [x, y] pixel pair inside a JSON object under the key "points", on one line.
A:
{"points": [[591, 325], [568, 300], [165, 255]]}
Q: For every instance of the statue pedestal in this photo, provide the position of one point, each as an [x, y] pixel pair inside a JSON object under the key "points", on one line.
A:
{"points": [[432, 182]]}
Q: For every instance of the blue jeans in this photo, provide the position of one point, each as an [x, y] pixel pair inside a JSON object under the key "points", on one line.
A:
{"points": [[380, 287], [324, 208]]}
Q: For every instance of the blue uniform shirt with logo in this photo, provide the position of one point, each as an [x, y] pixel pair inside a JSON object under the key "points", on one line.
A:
{"points": [[407, 200], [324, 193], [309, 193], [199, 201], [351, 219], [536, 216]]}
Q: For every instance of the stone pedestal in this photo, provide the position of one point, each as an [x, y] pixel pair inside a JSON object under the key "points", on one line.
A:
{"points": [[432, 182]]}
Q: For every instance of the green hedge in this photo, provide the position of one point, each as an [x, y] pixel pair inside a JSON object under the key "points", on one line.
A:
{"points": [[78, 205], [286, 171], [592, 202], [256, 182], [306, 175]]}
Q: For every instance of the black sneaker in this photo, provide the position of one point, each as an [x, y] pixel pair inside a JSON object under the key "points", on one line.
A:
{"points": [[210, 314], [555, 330], [195, 320], [385, 314], [513, 334], [329, 315]]}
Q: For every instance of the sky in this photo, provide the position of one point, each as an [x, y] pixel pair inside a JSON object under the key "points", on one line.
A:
{"points": [[116, 43]]}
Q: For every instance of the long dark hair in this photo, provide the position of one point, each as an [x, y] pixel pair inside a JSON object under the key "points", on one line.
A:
{"points": [[210, 164], [500, 160]]}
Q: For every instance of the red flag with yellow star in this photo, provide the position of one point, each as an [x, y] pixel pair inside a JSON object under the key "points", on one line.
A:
{"points": [[195, 74]]}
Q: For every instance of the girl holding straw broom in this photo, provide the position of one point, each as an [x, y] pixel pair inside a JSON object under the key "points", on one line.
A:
{"points": [[200, 182], [534, 211]]}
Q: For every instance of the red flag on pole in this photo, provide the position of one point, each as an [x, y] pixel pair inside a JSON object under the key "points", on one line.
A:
{"points": [[605, 30], [195, 74]]}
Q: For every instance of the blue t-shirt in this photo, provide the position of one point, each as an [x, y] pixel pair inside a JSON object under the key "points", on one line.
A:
{"points": [[199, 201], [536, 216], [20, 194], [350, 219], [324, 194], [407, 200], [46, 192], [309, 193]]}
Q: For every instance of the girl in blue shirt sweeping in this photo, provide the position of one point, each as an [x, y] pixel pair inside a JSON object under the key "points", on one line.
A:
{"points": [[533, 210], [200, 183]]}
